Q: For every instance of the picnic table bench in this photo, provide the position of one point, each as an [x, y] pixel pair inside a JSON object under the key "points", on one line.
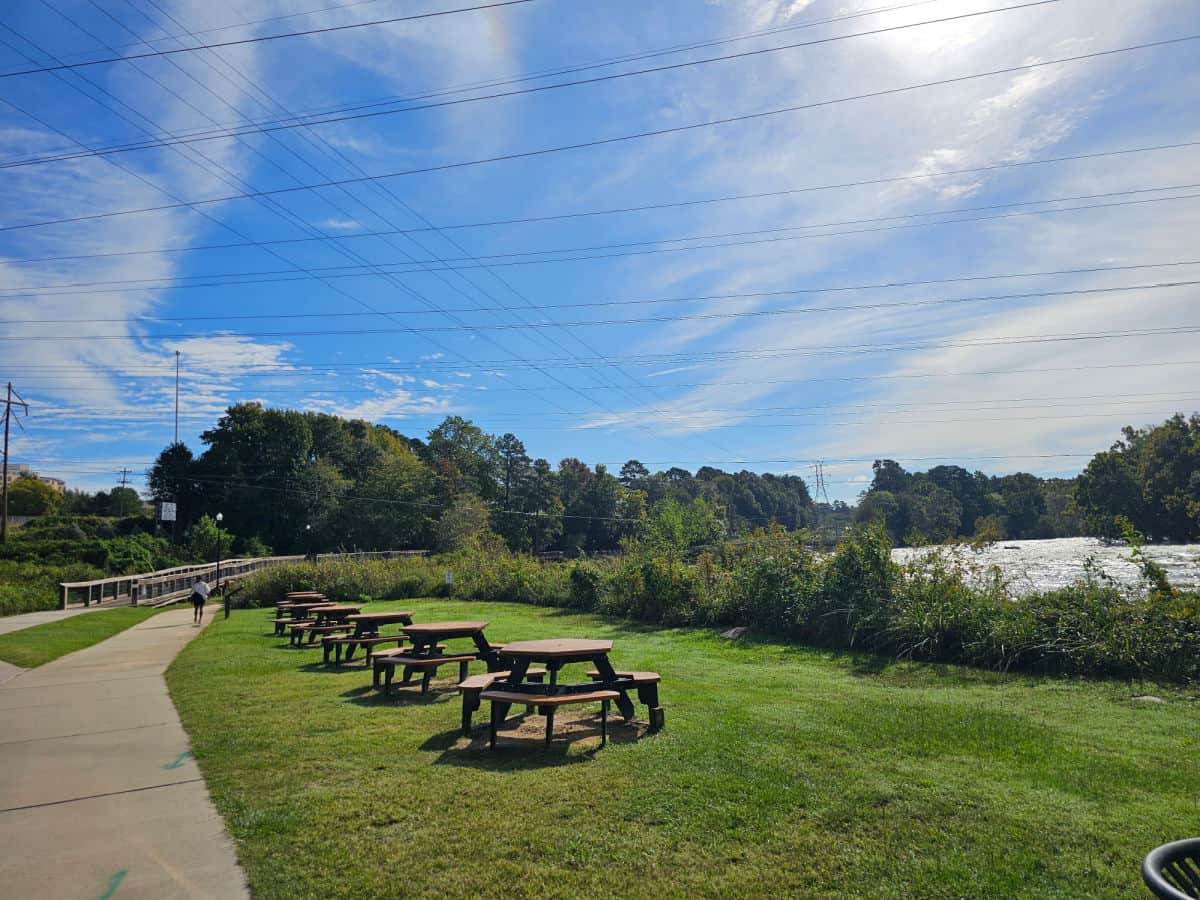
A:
{"points": [[427, 653], [472, 687], [366, 635], [546, 705], [328, 619], [295, 613]]}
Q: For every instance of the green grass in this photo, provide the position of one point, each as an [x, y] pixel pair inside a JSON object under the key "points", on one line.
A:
{"points": [[781, 770], [40, 644]]}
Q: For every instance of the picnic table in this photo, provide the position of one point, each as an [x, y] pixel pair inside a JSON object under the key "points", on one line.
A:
{"points": [[288, 614], [428, 652], [555, 653], [327, 619], [366, 634]]}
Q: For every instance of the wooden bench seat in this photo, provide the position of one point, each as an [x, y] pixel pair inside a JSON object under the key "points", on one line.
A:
{"points": [[298, 632], [282, 625], [647, 690], [546, 705], [386, 664], [334, 644], [472, 687]]}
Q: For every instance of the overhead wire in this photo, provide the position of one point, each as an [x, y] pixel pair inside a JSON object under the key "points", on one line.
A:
{"points": [[597, 79], [61, 66], [531, 76], [510, 326], [598, 142]]}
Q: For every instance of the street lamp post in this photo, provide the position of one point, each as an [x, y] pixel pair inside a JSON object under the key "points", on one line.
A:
{"points": [[308, 551], [224, 595]]}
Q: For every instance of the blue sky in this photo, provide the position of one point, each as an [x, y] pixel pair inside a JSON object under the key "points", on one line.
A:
{"points": [[747, 356]]}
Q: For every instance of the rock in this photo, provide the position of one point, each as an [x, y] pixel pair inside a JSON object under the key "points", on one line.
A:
{"points": [[734, 634], [1147, 698]]}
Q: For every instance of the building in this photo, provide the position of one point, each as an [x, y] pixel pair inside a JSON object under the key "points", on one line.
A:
{"points": [[20, 470]]}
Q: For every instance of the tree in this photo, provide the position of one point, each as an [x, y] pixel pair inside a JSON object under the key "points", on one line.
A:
{"points": [[1024, 504], [934, 513], [633, 472], [29, 496], [514, 466], [890, 476], [1151, 477], [882, 506], [122, 502], [205, 539], [471, 455], [460, 523]]}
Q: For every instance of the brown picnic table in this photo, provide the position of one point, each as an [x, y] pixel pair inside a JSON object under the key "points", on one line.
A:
{"points": [[366, 633], [288, 614], [428, 652], [554, 654], [327, 619]]}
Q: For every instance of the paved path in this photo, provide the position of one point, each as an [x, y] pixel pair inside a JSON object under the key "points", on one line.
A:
{"points": [[99, 795]]}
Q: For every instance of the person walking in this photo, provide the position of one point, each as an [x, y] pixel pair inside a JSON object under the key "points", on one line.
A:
{"points": [[199, 598]]}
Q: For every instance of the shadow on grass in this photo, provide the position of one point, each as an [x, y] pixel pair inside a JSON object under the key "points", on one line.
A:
{"points": [[521, 742], [401, 695]]}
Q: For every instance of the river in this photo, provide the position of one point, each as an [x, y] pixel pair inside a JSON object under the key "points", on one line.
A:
{"points": [[1040, 565]]}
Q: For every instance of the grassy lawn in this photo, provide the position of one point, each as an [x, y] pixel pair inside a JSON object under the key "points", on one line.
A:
{"points": [[781, 770], [40, 644]]}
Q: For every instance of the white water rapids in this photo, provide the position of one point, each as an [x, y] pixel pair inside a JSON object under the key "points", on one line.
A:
{"points": [[1040, 565]]}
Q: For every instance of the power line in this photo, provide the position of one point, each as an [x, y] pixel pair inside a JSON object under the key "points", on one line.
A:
{"points": [[517, 78], [546, 87], [387, 268], [527, 154], [678, 204], [58, 67], [367, 370], [521, 325]]}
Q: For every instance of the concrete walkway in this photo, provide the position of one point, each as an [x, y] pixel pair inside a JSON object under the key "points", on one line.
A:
{"points": [[99, 795]]}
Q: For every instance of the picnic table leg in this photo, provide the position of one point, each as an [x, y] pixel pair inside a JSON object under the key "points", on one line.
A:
{"points": [[603, 723], [470, 704], [515, 677], [426, 677], [604, 667], [549, 723], [387, 680], [325, 649], [495, 724], [462, 670]]}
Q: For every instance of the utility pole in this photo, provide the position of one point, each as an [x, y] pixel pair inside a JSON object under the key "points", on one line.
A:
{"points": [[124, 477], [177, 396], [9, 403]]}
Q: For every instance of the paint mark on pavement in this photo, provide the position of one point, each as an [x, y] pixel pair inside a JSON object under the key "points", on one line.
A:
{"points": [[113, 884], [179, 760]]}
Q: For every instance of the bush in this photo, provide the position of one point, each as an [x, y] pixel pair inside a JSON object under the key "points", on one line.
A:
{"points": [[854, 597], [32, 587]]}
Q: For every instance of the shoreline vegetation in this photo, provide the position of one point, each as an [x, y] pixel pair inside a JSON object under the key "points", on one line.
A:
{"points": [[853, 598]]}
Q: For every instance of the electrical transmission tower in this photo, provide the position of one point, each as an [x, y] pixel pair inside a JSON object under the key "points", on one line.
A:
{"points": [[818, 468], [9, 403]]}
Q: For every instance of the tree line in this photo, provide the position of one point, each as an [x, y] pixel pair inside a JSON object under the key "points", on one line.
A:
{"points": [[1151, 477], [302, 481]]}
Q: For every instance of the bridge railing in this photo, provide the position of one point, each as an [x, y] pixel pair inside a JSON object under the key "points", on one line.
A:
{"points": [[168, 585]]}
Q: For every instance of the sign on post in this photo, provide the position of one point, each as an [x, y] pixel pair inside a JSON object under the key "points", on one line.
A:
{"points": [[166, 511]]}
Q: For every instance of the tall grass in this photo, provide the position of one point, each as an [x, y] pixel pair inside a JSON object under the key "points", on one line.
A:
{"points": [[854, 597], [32, 586]]}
